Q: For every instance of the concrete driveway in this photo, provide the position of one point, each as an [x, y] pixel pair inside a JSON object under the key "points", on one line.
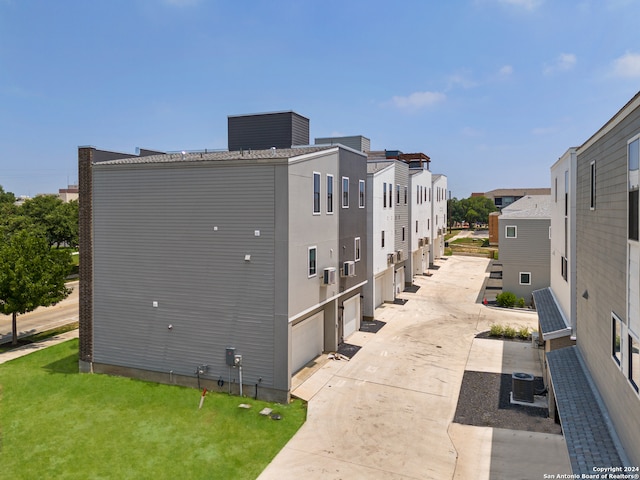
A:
{"points": [[387, 413]]}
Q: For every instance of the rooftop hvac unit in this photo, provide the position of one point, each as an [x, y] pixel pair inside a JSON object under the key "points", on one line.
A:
{"points": [[329, 276], [349, 269], [391, 258], [398, 256], [522, 387]]}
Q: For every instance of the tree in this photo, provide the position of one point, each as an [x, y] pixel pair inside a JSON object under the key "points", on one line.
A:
{"points": [[32, 275], [59, 219]]}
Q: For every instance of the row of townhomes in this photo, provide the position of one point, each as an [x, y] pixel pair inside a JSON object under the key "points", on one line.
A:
{"points": [[589, 316], [237, 268]]}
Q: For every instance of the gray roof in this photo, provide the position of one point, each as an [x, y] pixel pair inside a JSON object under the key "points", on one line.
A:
{"points": [[552, 323], [531, 206], [517, 192], [375, 166], [268, 154], [591, 439]]}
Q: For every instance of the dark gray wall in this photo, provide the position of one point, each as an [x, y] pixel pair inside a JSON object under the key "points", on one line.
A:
{"points": [[401, 210], [601, 256], [266, 130]]}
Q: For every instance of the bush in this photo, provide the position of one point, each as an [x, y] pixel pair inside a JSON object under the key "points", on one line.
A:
{"points": [[509, 332], [523, 333], [506, 299], [485, 242], [521, 302], [495, 330]]}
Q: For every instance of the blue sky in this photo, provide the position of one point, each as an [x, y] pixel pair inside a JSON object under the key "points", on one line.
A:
{"points": [[494, 91]]}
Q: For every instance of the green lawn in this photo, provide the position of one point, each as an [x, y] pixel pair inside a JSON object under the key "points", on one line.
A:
{"points": [[57, 423]]}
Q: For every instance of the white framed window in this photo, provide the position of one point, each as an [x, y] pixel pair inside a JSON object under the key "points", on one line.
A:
{"points": [[634, 362], [397, 194], [356, 249], [633, 160], [361, 193], [312, 264], [592, 185], [316, 193], [616, 339], [525, 278], [329, 193], [384, 195], [403, 234], [382, 242], [390, 195], [345, 192], [406, 193], [511, 231]]}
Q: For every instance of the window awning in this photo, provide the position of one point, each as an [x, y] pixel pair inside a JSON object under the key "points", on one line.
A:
{"points": [[552, 322]]}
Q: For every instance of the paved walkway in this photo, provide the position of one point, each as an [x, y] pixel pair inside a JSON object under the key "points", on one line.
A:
{"points": [[387, 413], [34, 347]]}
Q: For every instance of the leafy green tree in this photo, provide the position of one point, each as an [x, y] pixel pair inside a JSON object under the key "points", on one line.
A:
{"points": [[58, 219], [32, 275], [6, 197]]}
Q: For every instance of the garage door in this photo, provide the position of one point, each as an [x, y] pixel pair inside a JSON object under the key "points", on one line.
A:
{"points": [[399, 280], [351, 319], [307, 341]]}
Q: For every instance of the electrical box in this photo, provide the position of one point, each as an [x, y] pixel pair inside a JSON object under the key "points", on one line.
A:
{"points": [[231, 356], [238, 360]]}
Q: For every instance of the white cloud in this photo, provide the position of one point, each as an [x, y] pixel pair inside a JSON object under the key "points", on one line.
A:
{"points": [[564, 63], [526, 4], [418, 100], [459, 80], [627, 66], [505, 71]]}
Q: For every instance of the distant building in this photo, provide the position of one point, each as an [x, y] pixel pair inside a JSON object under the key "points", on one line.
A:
{"points": [[503, 197], [68, 194]]}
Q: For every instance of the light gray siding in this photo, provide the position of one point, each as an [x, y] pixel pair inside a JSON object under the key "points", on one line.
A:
{"points": [[528, 252], [156, 241], [601, 272], [402, 214]]}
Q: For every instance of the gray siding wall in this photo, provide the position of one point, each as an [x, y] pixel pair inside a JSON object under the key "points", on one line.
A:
{"points": [[155, 242], [263, 131], [529, 252], [353, 220], [402, 210], [601, 270]]}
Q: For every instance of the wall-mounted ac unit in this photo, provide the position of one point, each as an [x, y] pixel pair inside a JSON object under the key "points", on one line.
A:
{"points": [[426, 240], [420, 242], [398, 256], [349, 269], [391, 258], [522, 387], [329, 276]]}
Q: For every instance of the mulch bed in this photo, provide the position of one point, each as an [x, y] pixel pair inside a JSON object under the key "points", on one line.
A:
{"points": [[484, 401], [371, 326]]}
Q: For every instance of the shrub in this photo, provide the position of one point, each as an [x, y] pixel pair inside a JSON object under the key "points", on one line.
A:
{"points": [[495, 330], [506, 299], [485, 242], [523, 333], [509, 332], [521, 302]]}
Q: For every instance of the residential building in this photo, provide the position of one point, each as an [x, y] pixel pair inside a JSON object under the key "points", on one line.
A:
{"points": [[524, 229], [357, 142], [438, 215], [421, 221], [68, 194], [257, 257], [503, 197]]}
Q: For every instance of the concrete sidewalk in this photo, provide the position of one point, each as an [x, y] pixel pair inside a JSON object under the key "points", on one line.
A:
{"points": [[388, 412], [34, 347]]}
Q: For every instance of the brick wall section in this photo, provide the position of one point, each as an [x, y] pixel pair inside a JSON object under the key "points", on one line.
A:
{"points": [[85, 158]]}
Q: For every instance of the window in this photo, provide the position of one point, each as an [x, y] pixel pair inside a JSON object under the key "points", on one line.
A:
{"points": [[390, 195], [564, 267], [416, 226], [329, 193], [405, 194], [312, 267], [403, 234], [633, 210], [361, 193], [345, 192], [316, 193], [417, 193], [616, 338], [429, 193], [397, 194], [566, 193], [356, 249], [634, 362], [555, 189], [382, 239], [384, 195], [592, 183], [525, 278], [511, 231]]}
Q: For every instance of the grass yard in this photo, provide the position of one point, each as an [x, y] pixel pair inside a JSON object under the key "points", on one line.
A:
{"points": [[57, 423]]}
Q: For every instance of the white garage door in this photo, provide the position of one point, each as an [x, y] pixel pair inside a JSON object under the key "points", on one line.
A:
{"points": [[351, 319], [399, 280], [307, 341]]}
